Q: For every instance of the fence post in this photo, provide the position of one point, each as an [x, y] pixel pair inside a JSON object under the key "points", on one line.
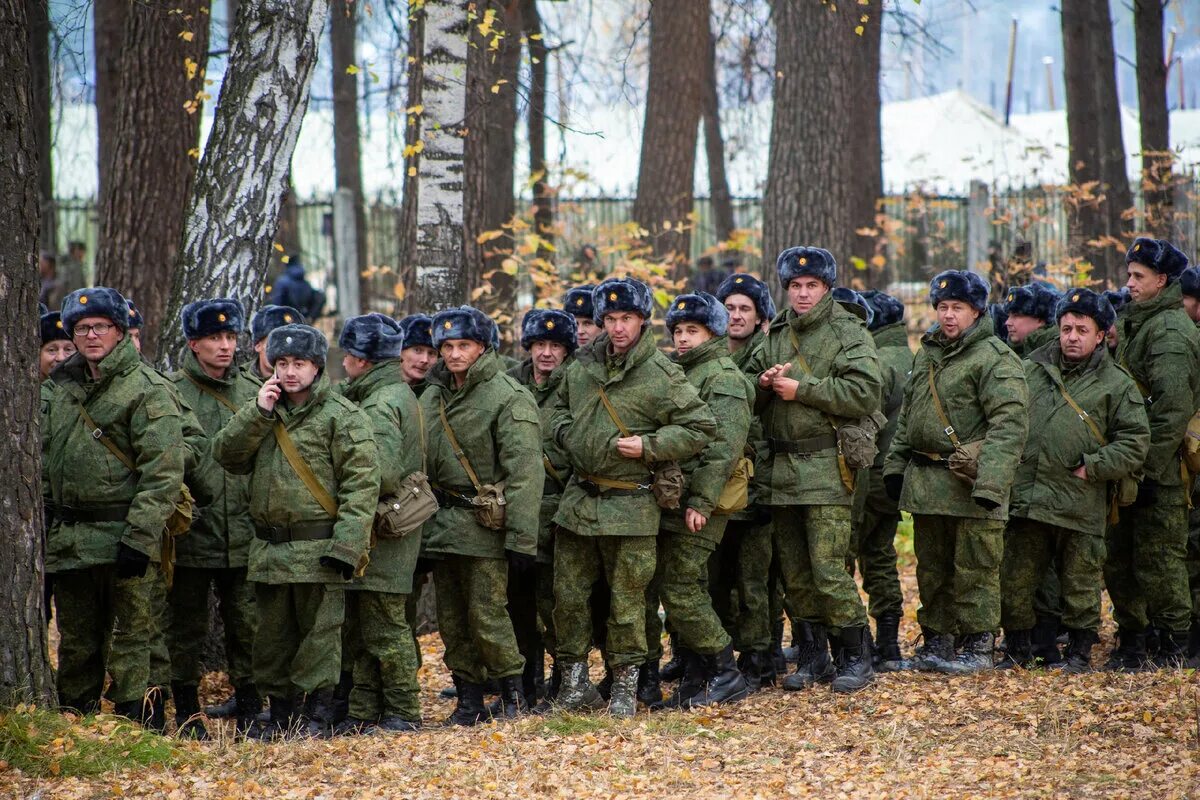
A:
{"points": [[977, 228], [345, 255]]}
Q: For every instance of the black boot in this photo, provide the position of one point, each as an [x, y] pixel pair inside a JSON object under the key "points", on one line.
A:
{"points": [[470, 710], [130, 709], [692, 681], [83, 706], [750, 666], [975, 655], [649, 688], [1018, 650], [767, 675], [320, 711], [1044, 641], [813, 664], [673, 669], [1078, 658], [777, 647], [887, 657], [724, 684], [222, 710], [1130, 653], [188, 722], [154, 710], [339, 707], [512, 697], [801, 632], [1172, 649], [936, 650], [281, 722], [854, 670], [247, 705]]}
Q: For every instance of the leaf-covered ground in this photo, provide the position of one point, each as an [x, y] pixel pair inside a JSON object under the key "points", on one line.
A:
{"points": [[910, 735]]}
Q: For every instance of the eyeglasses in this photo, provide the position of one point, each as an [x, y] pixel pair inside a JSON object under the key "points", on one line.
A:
{"points": [[100, 329]]}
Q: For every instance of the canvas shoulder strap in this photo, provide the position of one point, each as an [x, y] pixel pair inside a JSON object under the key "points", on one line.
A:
{"points": [[941, 412], [458, 451], [1083, 415], [213, 393], [612, 412], [305, 473], [100, 436], [803, 362], [421, 433]]}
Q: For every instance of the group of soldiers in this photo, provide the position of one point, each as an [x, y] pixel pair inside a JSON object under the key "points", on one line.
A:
{"points": [[559, 502]]}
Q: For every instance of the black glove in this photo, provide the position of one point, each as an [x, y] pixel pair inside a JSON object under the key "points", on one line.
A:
{"points": [[1147, 494], [131, 563], [893, 485], [987, 504], [338, 566], [520, 563]]}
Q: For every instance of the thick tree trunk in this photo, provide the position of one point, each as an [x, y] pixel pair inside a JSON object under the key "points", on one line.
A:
{"points": [[25, 674], [407, 301], [1157, 184], [714, 146], [153, 159], [347, 160], [1096, 152], [867, 162], [543, 201], [109, 25], [38, 15], [666, 174], [811, 171], [233, 212]]}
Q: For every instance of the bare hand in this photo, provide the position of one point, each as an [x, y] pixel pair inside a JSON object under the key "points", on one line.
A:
{"points": [[630, 446], [785, 388], [768, 375], [268, 395], [695, 520], [1080, 472]]}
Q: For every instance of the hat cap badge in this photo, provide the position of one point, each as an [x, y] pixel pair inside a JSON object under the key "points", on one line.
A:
{"points": [[549, 324], [1075, 297], [680, 306], [220, 317], [803, 261], [287, 317], [447, 325], [612, 296], [288, 340], [942, 285], [83, 300], [578, 301]]}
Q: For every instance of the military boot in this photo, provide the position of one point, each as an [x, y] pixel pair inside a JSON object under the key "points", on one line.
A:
{"points": [[469, 709], [390, 723], [692, 681], [1193, 650], [751, 668], [1018, 650], [577, 692], [624, 692], [188, 722], [1130, 653], [777, 647], [1078, 657], [353, 726], [339, 706], [767, 675], [222, 710], [512, 697], [247, 705], [318, 716], [935, 651], [724, 681], [673, 669], [130, 709], [649, 689], [854, 669], [1044, 641], [886, 656], [281, 722], [813, 664], [801, 633], [975, 655], [604, 687], [1172, 650]]}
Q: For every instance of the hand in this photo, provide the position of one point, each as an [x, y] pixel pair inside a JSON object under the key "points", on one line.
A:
{"points": [[768, 376], [520, 563], [1080, 472], [268, 395], [986, 503], [338, 566], [1147, 494], [893, 485], [785, 388], [694, 520], [630, 446], [130, 563]]}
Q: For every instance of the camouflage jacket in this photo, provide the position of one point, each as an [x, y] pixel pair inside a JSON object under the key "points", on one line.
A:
{"points": [[655, 401], [982, 388], [1035, 340], [334, 437], [558, 466], [895, 364]]}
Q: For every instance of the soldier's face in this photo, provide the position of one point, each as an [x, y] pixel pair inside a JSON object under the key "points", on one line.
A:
{"points": [[260, 347], [688, 335], [415, 362], [743, 316], [354, 366], [54, 353], [215, 352], [1078, 336], [460, 354], [1192, 306], [93, 345], [296, 374], [586, 330], [955, 316], [1144, 283], [624, 328], [805, 292], [136, 335], [547, 356], [1021, 325]]}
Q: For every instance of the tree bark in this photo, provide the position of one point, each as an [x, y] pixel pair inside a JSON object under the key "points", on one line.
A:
{"points": [[38, 16], [714, 145], [543, 200], [811, 172], [867, 162], [109, 25], [25, 674], [1096, 153], [666, 174], [406, 216], [233, 212], [153, 158], [1157, 184], [347, 159]]}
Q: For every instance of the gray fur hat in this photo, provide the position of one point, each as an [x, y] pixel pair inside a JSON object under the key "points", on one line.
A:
{"points": [[297, 341], [701, 308], [548, 325], [855, 303], [578, 302], [372, 337], [418, 330], [463, 322], [959, 284], [1159, 255], [206, 317], [1089, 304], [615, 295], [268, 318], [752, 287], [888, 310], [1033, 300], [95, 301], [798, 262]]}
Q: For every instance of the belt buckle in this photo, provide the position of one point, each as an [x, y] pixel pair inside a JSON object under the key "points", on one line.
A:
{"points": [[98, 434]]}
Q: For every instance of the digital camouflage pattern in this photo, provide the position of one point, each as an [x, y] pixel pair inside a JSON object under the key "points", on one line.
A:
{"points": [[958, 572], [298, 644], [471, 595], [1035, 340], [1030, 548], [385, 664]]}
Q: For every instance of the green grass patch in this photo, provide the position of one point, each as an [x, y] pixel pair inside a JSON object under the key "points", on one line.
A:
{"points": [[904, 538], [682, 725], [568, 724], [48, 744]]}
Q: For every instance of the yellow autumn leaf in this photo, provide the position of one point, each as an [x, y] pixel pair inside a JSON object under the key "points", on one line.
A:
{"points": [[399, 291], [190, 67], [187, 36], [278, 247], [412, 172], [488, 236], [414, 110], [351, 70], [858, 30], [509, 265], [662, 298]]}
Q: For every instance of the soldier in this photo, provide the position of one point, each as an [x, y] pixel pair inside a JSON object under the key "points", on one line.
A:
{"points": [[1118, 298], [622, 407], [549, 337], [1189, 283], [108, 519], [314, 486], [214, 552], [698, 324], [385, 696], [835, 380], [57, 346], [578, 303], [485, 461], [1087, 427], [418, 355], [136, 323], [875, 514], [1029, 317], [1145, 573], [265, 320], [967, 393]]}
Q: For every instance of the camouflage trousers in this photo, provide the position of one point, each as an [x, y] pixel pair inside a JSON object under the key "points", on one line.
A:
{"points": [[1193, 556], [383, 657], [627, 563], [958, 572], [410, 609], [739, 584], [812, 543], [874, 548], [472, 595], [1146, 571], [188, 599], [105, 624], [298, 637], [1029, 549], [681, 584], [160, 651]]}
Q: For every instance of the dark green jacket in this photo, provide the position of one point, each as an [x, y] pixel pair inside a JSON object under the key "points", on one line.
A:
{"points": [[395, 420], [334, 437], [1159, 345], [496, 422], [1059, 441], [1039, 338], [982, 388], [895, 364], [221, 528], [844, 383], [761, 455], [655, 401], [558, 471], [136, 409]]}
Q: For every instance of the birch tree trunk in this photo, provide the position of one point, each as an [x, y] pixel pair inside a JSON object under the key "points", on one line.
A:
{"points": [[234, 208], [24, 649]]}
